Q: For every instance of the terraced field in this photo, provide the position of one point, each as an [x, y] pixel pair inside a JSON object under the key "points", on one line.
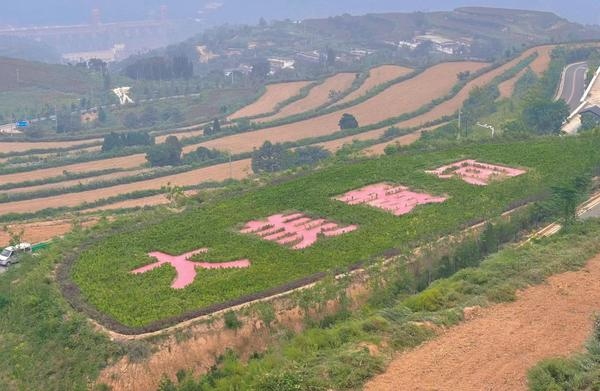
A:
{"points": [[539, 66], [125, 162], [275, 94], [7, 147], [219, 172], [403, 97], [317, 97], [377, 76]]}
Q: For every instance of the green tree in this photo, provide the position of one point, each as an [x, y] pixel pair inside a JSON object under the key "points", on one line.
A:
{"points": [[101, 115], [566, 199], [268, 158], [131, 121], [545, 116], [167, 154], [589, 121], [348, 121]]}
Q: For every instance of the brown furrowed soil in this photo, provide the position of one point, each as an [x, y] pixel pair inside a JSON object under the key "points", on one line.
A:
{"points": [[124, 162], [451, 106], [539, 66], [275, 94], [36, 232], [6, 147], [507, 87], [377, 76], [402, 98], [317, 96], [75, 182], [239, 170], [495, 350]]}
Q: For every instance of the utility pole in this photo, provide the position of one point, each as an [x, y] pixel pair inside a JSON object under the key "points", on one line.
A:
{"points": [[459, 122]]}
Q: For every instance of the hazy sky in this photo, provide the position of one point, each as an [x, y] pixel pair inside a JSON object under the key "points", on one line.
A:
{"points": [[48, 12]]}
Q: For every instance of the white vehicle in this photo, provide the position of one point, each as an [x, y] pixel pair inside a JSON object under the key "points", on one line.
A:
{"points": [[13, 254]]}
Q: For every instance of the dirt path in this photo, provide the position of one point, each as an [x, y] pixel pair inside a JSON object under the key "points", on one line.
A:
{"points": [[275, 93], [317, 96], [495, 350]]}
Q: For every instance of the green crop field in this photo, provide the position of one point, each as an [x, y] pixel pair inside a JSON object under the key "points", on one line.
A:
{"points": [[102, 271]]}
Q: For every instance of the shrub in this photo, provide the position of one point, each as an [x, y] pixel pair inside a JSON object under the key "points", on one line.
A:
{"points": [[348, 121], [231, 320]]}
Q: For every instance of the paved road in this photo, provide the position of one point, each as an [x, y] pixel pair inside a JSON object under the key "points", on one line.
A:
{"points": [[573, 84]]}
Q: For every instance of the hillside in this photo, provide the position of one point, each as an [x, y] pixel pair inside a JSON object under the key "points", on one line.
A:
{"points": [[18, 74]]}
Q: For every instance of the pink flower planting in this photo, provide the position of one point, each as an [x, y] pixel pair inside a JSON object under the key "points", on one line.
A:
{"points": [[295, 230], [398, 200], [186, 269], [476, 173]]}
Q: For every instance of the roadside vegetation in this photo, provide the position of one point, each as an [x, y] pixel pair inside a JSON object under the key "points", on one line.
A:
{"points": [[344, 350]]}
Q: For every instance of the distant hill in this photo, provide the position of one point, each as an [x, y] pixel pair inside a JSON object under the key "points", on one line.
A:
{"points": [[511, 27], [18, 74]]}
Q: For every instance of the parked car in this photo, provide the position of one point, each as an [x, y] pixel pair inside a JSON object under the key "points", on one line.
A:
{"points": [[13, 254]]}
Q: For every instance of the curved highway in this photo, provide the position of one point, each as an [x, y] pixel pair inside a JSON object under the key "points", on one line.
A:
{"points": [[572, 85]]}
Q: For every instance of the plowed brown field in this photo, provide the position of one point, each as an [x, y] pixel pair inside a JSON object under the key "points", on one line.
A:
{"points": [[495, 350], [42, 231], [377, 76], [450, 107], [402, 98], [219, 172], [6, 147], [317, 96], [75, 182], [539, 66], [275, 94], [125, 162]]}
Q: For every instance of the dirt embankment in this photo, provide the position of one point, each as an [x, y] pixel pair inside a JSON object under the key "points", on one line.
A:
{"points": [[275, 94], [317, 96], [377, 76], [495, 350]]}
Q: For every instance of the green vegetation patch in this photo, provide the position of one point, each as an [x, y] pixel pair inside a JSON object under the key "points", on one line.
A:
{"points": [[102, 271]]}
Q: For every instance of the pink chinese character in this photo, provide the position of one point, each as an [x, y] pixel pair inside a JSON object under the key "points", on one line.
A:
{"points": [[186, 269], [295, 230]]}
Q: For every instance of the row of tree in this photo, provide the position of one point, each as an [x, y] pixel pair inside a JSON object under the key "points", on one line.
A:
{"points": [[115, 141], [274, 157]]}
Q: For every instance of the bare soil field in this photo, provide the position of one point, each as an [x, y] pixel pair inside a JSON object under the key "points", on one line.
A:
{"points": [[495, 350], [317, 96], [377, 76], [276, 93], [124, 162], [36, 232], [6, 147], [507, 87], [539, 66], [75, 182], [159, 199], [402, 98], [239, 170], [450, 107]]}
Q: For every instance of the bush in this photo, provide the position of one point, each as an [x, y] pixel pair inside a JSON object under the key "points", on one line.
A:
{"points": [[348, 121], [231, 321]]}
